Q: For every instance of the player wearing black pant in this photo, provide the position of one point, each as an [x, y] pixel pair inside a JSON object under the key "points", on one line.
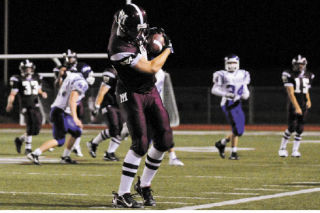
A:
{"points": [[27, 86]]}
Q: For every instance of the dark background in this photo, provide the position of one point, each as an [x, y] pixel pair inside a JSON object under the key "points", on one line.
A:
{"points": [[266, 34]]}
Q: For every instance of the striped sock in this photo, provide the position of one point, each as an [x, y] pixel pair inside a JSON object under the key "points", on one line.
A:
{"points": [[152, 165], [113, 145], [285, 139], [296, 142], [103, 135], [129, 169]]}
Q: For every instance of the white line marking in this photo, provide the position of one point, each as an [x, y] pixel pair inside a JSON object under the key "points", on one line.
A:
{"points": [[196, 198], [259, 189], [230, 193], [306, 182], [246, 200], [207, 149], [52, 193], [294, 186]]}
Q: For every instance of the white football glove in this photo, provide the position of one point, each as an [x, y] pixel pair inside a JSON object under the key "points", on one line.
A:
{"points": [[229, 95]]}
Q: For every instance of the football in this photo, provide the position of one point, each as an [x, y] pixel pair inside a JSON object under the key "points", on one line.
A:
{"points": [[156, 43]]}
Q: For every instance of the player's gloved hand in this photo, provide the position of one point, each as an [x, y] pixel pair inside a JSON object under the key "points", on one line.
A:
{"points": [[168, 43], [95, 111], [229, 95]]}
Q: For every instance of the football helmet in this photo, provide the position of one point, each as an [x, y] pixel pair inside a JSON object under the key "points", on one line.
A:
{"points": [[299, 63], [232, 63], [69, 57], [87, 74], [27, 67], [132, 21]]}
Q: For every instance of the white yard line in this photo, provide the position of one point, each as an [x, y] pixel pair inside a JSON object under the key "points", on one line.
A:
{"points": [[259, 189], [230, 193], [246, 200]]}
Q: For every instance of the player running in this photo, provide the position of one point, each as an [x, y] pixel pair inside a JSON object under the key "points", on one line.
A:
{"points": [[231, 85], [64, 116], [27, 86]]}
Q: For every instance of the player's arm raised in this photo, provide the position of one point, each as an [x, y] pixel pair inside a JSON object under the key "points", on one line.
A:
{"points": [[293, 99], [73, 107]]}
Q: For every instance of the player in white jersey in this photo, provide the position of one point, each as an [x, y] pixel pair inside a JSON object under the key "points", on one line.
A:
{"points": [[231, 85], [160, 76], [64, 116]]}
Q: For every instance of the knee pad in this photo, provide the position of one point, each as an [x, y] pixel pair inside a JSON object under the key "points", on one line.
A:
{"points": [[61, 141], [76, 133]]}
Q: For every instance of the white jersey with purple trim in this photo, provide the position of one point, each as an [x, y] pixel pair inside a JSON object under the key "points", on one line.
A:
{"points": [[231, 85], [73, 82]]}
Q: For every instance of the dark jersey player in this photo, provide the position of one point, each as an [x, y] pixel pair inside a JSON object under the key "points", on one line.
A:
{"points": [[297, 82], [106, 102], [27, 86], [140, 102]]}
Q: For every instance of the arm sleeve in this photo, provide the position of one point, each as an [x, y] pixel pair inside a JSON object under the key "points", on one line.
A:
{"points": [[217, 85], [14, 83], [246, 92], [81, 86], [286, 79]]}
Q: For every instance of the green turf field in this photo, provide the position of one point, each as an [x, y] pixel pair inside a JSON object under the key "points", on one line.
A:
{"points": [[207, 179]]}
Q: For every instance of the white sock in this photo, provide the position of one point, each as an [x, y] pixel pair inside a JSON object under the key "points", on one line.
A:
{"points": [[66, 152], [296, 143], [153, 162], [28, 144], [285, 139], [113, 145], [129, 169], [77, 143], [103, 135], [234, 149], [37, 152], [172, 155]]}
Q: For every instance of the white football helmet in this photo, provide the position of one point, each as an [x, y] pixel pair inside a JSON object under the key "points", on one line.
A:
{"points": [[232, 63], [299, 63]]}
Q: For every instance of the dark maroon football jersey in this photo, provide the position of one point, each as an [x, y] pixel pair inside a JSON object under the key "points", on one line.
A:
{"points": [[124, 54]]}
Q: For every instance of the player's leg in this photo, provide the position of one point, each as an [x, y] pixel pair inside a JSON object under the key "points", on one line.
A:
{"points": [[162, 142], [58, 131], [65, 159], [75, 132], [133, 112], [76, 147], [298, 136], [237, 119], [115, 123], [173, 159], [103, 135], [18, 141], [287, 133], [34, 122]]}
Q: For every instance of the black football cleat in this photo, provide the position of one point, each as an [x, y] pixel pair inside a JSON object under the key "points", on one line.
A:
{"points": [[125, 201], [67, 160], [145, 193], [27, 151], [92, 148], [34, 158], [221, 149], [234, 156], [18, 144], [110, 157]]}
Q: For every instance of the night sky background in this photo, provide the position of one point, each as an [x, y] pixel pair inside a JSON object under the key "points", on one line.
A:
{"points": [[266, 34]]}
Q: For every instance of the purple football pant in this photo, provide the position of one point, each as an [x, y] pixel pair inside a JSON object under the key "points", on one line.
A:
{"points": [[235, 116], [147, 119], [63, 123]]}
